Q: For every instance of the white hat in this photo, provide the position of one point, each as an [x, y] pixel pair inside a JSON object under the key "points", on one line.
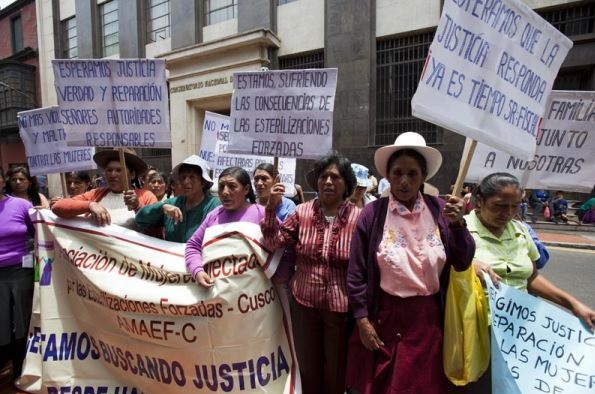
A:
{"points": [[197, 161], [413, 141], [361, 175]]}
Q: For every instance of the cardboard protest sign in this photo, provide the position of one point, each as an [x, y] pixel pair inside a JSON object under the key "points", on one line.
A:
{"points": [[565, 148], [283, 113], [490, 69], [120, 314], [45, 144], [113, 103], [538, 347], [213, 148]]}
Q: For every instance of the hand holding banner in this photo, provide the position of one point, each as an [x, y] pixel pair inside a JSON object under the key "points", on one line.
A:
{"points": [[489, 72], [283, 113], [45, 144], [565, 148], [113, 103], [536, 346]]}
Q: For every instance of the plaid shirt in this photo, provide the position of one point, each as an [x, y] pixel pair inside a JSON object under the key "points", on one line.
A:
{"points": [[322, 252]]}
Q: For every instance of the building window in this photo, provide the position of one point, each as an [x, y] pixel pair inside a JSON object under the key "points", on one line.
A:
{"points": [[220, 10], [157, 20], [574, 78], [69, 39], [110, 39], [302, 61], [281, 2], [399, 64], [17, 33], [573, 20]]}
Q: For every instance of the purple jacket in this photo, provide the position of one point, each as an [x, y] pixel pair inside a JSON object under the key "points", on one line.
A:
{"points": [[363, 277]]}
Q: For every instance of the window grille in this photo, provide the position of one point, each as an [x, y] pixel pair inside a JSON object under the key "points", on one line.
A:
{"points": [[399, 64], [158, 20], [302, 61], [69, 39], [220, 10], [110, 39], [573, 20]]}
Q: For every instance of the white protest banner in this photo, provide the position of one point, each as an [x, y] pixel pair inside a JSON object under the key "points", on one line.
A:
{"points": [[565, 148], [283, 113], [538, 347], [45, 144], [489, 71], [120, 315], [213, 148], [113, 103]]}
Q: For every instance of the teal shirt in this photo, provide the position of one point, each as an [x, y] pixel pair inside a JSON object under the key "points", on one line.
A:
{"points": [[152, 216]]}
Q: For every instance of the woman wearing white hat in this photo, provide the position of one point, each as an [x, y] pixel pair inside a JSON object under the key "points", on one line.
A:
{"points": [[180, 216], [400, 259]]}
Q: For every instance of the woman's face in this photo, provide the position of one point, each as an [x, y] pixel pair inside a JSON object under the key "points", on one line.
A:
{"points": [[191, 183], [263, 182], [2, 185], [75, 186], [405, 177], [496, 211], [157, 186], [232, 193], [331, 185], [19, 182]]}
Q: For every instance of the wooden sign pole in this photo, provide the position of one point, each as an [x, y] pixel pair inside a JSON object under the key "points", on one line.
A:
{"points": [[124, 168], [464, 168], [64, 185]]}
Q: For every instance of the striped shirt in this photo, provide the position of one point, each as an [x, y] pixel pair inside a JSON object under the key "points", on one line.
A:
{"points": [[322, 252]]}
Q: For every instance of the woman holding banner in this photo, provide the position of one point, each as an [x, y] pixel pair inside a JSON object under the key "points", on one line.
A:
{"points": [[16, 277], [401, 254], [238, 204], [498, 237], [116, 203], [181, 215], [320, 231]]}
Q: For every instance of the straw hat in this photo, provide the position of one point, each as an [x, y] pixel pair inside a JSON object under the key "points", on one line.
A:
{"points": [[196, 161], [105, 156], [413, 141]]}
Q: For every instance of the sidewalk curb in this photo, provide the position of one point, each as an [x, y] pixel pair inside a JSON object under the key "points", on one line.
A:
{"points": [[569, 245]]}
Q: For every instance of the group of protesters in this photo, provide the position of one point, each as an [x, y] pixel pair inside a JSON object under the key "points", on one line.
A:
{"points": [[366, 276]]}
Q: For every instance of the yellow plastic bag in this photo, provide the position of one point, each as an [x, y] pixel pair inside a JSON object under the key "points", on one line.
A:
{"points": [[466, 351]]}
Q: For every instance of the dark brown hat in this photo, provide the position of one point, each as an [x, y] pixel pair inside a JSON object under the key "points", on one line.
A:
{"points": [[132, 160]]}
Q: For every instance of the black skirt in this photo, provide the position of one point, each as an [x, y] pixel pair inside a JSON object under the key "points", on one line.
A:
{"points": [[16, 301]]}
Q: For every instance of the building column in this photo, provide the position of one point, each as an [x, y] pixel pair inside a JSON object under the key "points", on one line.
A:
{"points": [[187, 20], [350, 46], [257, 14], [131, 24], [86, 26]]}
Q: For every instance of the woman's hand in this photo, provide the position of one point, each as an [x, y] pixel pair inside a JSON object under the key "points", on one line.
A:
{"points": [[368, 335], [173, 212], [481, 267], [454, 209], [585, 313], [99, 214], [204, 279], [276, 195]]}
